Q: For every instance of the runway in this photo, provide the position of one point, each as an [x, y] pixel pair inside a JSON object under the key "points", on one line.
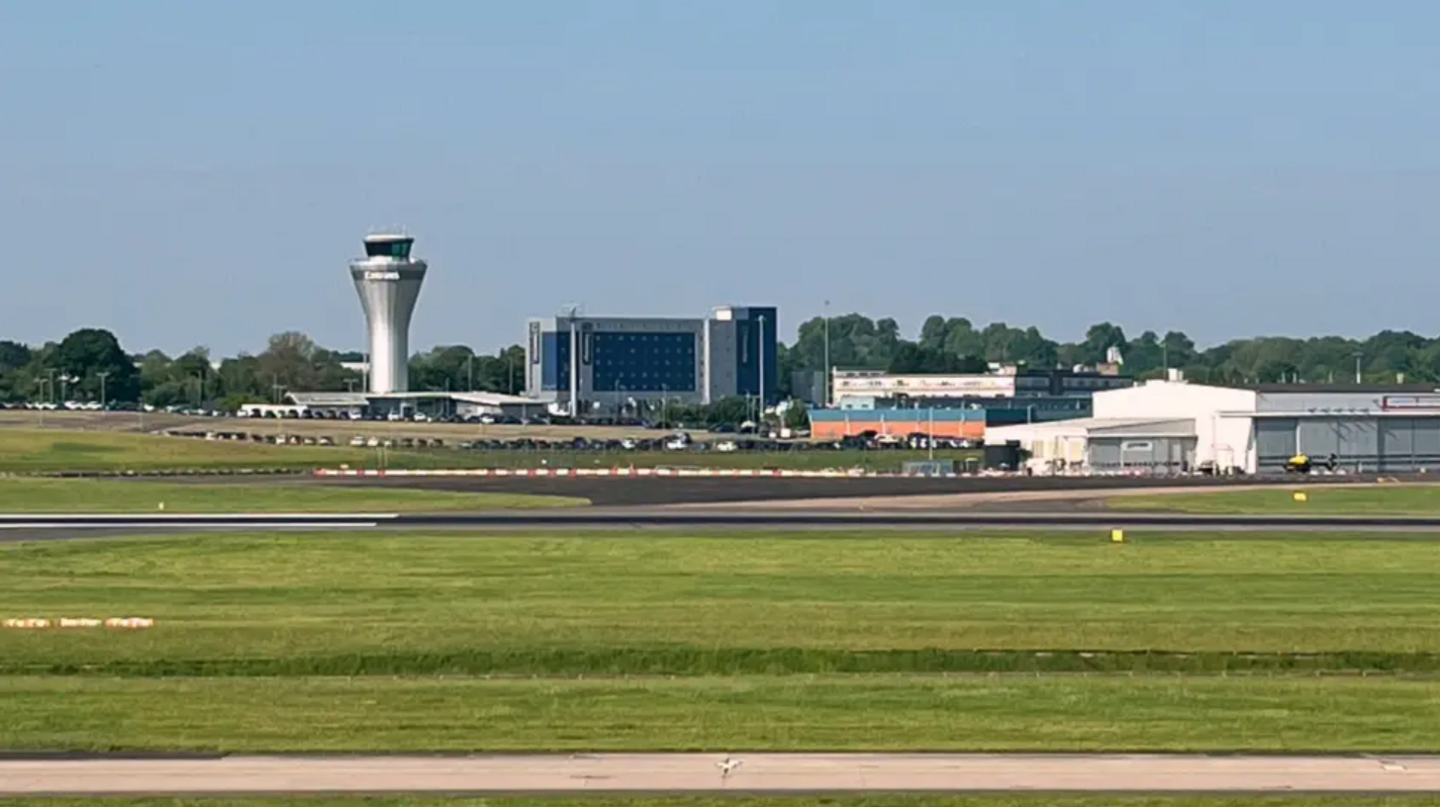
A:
{"points": [[41, 526], [709, 773], [651, 491]]}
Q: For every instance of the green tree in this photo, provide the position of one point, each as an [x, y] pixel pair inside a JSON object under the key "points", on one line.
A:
{"points": [[294, 363], [1099, 339], [14, 360], [87, 354], [912, 358]]}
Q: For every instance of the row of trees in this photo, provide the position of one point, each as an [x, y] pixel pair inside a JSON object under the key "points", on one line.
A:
{"points": [[90, 363], [956, 345]]}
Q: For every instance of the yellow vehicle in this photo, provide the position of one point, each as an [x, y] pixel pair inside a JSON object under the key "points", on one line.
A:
{"points": [[1301, 464]]}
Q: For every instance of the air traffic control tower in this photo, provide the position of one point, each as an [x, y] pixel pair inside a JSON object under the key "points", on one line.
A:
{"points": [[388, 281]]}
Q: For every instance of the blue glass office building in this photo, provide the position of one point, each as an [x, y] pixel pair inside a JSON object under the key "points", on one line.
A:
{"points": [[614, 359]]}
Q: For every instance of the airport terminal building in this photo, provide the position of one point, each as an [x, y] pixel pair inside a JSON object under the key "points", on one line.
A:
{"points": [[1176, 426], [606, 363]]}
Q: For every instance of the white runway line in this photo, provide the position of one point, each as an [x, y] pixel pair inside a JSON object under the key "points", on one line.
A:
{"points": [[710, 772]]}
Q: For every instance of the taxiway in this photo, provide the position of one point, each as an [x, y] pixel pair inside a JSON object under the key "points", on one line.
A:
{"points": [[702, 773], [55, 526]]}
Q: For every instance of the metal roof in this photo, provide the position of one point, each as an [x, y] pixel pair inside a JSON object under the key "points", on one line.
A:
{"points": [[1365, 389], [363, 398], [328, 398], [1109, 426]]}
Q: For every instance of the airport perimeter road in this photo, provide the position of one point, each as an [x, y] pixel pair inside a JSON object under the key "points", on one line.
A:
{"points": [[699, 773]]}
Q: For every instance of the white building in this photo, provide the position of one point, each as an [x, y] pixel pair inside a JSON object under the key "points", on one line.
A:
{"points": [[850, 383], [1177, 426]]}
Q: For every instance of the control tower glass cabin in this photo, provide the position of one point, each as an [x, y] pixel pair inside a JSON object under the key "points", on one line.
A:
{"points": [[388, 281]]}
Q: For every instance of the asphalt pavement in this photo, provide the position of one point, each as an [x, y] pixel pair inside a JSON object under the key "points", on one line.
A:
{"points": [[709, 773], [634, 492], [30, 527]]}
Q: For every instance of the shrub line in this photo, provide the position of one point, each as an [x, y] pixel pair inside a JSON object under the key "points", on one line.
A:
{"points": [[691, 662]]}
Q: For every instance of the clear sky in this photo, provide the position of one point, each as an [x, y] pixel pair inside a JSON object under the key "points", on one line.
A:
{"points": [[192, 172]]}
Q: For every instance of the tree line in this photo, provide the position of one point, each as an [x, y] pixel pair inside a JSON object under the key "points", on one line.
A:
{"points": [[957, 345], [90, 363]]}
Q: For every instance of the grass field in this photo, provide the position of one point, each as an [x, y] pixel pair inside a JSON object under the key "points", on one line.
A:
{"points": [[150, 422], [874, 713], [651, 604], [1388, 499], [737, 800], [661, 641], [57, 450], [21, 495]]}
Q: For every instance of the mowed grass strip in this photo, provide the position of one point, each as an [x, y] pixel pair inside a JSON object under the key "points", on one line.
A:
{"points": [[793, 713], [61, 450], [828, 800], [1379, 499], [36, 451], [18, 495], [58, 451], [671, 603]]}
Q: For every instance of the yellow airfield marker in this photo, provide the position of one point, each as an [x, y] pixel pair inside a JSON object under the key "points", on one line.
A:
{"points": [[1302, 496], [1117, 536]]}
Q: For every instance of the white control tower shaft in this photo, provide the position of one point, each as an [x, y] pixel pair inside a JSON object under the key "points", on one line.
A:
{"points": [[388, 281]]}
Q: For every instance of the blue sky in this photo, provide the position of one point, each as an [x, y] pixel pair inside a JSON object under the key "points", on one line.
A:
{"points": [[200, 172]]}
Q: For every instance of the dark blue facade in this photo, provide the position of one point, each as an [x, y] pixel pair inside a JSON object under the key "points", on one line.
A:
{"points": [[755, 327], [642, 361], [555, 361]]}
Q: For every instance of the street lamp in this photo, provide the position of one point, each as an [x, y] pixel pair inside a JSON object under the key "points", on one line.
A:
{"points": [[762, 367], [104, 400], [65, 381], [825, 394], [571, 312]]}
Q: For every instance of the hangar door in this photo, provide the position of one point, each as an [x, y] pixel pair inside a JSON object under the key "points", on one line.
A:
{"points": [[1409, 444], [1356, 442], [1172, 454], [1274, 443]]}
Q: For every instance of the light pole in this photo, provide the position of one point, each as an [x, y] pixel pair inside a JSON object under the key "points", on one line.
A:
{"points": [[762, 367], [40, 382], [104, 401], [825, 395], [65, 381], [930, 440], [572, 310], [470, 372], [1358, 356]]}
